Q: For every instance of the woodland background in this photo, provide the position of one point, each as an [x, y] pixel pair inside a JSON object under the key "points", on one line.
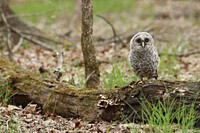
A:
{"points": [[175, 26]]}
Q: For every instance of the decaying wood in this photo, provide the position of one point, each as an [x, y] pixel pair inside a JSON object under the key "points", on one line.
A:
{"points": [[91, 104]]}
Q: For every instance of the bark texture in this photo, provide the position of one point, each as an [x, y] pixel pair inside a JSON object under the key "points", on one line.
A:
{"points": [[93, 104], [91, 65]]}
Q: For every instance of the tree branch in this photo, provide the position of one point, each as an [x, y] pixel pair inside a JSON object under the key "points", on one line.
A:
{"points": [[113, 30]]}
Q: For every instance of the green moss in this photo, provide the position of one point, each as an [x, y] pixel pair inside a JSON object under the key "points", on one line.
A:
{"points": [[72, 91], [6, 64]]}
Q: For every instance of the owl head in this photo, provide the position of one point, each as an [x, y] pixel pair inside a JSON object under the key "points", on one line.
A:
{"points": [[141, 40]]}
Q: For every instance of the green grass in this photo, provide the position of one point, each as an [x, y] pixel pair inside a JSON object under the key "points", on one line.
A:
{"points": [[116, 77], [5, 96], [166, 116], [161, 116], [5, 93]]}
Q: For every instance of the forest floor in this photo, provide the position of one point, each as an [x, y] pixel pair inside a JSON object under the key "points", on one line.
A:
{"points": [[174, 25]]}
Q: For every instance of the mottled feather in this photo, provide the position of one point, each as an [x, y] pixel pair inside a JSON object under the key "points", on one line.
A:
{"points": [[143, 56]]}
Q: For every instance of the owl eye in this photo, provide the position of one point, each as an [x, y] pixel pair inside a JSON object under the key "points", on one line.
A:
{"points": [[146, 40], [138, 40]]}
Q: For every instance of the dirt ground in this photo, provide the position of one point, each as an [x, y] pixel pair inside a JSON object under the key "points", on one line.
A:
{"points": [[175, 26]]}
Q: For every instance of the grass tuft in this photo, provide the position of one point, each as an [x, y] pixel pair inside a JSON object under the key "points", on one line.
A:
{"points": [[162, 116], [5, 93]]}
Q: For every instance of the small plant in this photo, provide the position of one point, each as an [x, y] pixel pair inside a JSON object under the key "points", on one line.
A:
{"points": [[165, 116], [185, 117], [5, 93], [11, 125], [158, 116]]}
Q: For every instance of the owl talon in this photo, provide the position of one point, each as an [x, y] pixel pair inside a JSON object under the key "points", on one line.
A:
{"points": [[139, 82]]}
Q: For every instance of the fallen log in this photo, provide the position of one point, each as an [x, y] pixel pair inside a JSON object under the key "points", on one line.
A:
{"points": [[92, 104]]}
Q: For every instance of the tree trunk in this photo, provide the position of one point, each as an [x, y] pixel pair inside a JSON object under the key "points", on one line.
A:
{"points": [[93, 104], [91, 65]]}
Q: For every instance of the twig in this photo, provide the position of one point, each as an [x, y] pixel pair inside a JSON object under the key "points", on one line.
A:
{"points": [[7, 124], [8, 44], [18, 45], [24, 36], [124, 36], [182, 55], [189, 53], [113, 30], [110, 40], [89, 76], [59, 61], [31, 39], [41, 36], [59, 58]]}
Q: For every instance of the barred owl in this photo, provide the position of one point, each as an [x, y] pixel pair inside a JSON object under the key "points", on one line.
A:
{"points": [[143, 56]]}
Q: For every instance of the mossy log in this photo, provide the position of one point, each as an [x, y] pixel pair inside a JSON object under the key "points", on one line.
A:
{"points": [[92, 104]]}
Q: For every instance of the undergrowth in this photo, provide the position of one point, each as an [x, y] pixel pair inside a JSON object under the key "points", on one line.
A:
{"points": [[167, 117], [5, 93], [10, 126]]}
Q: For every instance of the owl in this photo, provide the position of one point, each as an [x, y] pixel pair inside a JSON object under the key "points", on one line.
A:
{"points": [[143, 56]]}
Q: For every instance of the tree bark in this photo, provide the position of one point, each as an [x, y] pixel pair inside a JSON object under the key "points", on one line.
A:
{"points": [[93, 104], [92, 74]]}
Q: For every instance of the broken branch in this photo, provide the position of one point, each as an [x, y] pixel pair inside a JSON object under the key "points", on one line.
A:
{"points": [[59, 61]]}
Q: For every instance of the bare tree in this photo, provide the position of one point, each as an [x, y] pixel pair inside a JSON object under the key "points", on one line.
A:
{"points": [[91, 65]]}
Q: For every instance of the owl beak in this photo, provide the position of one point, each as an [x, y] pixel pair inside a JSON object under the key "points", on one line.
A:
{"points": [[143, 44]]}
